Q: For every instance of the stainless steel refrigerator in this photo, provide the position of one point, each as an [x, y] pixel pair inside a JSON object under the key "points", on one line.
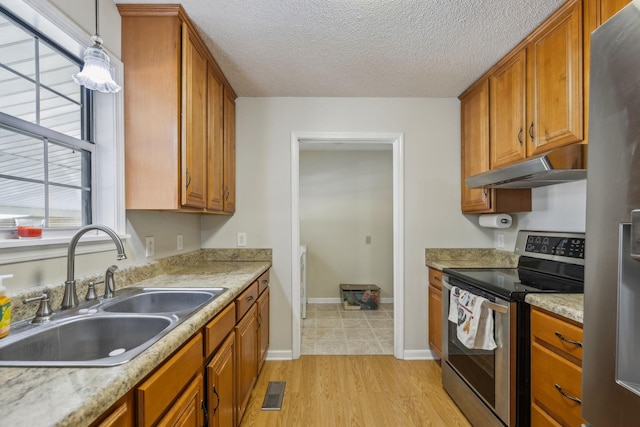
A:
{"points": [[611, 352]]}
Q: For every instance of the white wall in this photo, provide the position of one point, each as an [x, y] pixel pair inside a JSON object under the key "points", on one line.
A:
{"points": [[560, 207], [344, 197], [432, 188]]}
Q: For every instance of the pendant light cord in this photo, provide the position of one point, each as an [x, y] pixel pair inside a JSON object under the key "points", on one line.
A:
{"points": [[97, 31]]}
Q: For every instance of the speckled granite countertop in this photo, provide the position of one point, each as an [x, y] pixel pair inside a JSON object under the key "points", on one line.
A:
{"points": [[440, 258], [570, 306], [77, 396]]}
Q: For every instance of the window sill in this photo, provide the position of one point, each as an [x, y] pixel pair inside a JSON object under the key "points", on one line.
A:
{"points": [[16, 250]]}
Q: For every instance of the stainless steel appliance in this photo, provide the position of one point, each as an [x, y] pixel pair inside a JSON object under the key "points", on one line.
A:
{"points": [[611, 355], [491, 387]]}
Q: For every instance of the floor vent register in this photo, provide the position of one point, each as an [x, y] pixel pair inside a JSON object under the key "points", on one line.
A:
{"points": [[273, 398]]}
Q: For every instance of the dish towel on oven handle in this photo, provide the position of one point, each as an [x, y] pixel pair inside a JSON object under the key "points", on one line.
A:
{"points": [[473, 318]]}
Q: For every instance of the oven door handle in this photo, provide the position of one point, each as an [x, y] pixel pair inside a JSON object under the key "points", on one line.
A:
{"points": [[492, 305]]}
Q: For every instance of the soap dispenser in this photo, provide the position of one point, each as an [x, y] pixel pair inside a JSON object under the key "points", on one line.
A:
{"points": [[5, 308]]}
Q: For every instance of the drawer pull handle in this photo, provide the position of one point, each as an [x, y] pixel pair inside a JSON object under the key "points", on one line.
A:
{"points": [[576, 343], [437, 278], [568, 396], [250, 298]]}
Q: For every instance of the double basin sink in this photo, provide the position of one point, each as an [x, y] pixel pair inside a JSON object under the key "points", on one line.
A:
{"points": [[104, 333]]}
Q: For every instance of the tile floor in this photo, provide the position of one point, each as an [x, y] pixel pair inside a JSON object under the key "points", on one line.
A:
{"points": [[330, 329]]}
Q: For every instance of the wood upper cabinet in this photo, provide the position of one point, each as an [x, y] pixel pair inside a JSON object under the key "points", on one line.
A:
{"points": [[475, 146], [215, 150], [507, 111], [229, 186], [554, 81], [176, 126], [475, 158], [194, 121]]}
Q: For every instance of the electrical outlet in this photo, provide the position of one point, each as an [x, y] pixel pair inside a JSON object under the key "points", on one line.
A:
{"points": [[150, 248], [367, 240], [500, 240], [180, 242], [242, 239]]}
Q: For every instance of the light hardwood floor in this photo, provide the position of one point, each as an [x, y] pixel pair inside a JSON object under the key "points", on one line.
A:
{"points": [[350, 391]]}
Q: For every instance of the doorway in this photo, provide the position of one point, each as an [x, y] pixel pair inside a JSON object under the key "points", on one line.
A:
{"points": [[351, 141]]}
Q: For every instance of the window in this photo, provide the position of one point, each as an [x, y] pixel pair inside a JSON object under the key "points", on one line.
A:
{"points": [[46, 141]]}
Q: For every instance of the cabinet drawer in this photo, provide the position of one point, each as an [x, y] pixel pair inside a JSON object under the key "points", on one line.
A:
{"points": [[435, 278], [156, 393], [216, 330], [539, 418], [549, 370], [245, 300], [556, 332], [263, 282]]}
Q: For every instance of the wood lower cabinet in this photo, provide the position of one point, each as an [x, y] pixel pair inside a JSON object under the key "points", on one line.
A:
{"points": [[162, 392], [121, 414], [246, 359], [556, 370], [221, 385], [179, 115], [188, 410], [475, 158], [263, 327], [435, 310]]}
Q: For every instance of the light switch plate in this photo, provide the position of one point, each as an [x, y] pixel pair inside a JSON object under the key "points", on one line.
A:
{"points": [[242, 239]]}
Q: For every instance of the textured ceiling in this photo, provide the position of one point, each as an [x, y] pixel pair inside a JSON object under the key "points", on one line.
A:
{"points": [[360, 48]]}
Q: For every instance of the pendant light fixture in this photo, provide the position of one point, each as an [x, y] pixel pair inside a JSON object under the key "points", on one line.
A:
{"points": [[96, 73]]}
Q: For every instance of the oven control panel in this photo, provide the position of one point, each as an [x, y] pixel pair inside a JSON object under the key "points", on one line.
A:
{"points": [[569, 247], [565, 247]]}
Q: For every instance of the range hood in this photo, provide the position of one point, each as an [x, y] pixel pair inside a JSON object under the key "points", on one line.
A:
{"points": [[555, 167]]}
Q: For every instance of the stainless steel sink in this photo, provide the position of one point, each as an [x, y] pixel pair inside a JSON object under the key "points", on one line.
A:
{"points": [[93, 340], [149, 300], [107, 333]]}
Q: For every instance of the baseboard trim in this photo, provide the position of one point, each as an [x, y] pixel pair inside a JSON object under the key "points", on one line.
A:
{"points": [[279, 355], [420, 355], [339, 300]]}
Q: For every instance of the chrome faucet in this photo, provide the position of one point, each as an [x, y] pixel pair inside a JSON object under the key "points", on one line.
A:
{"points": [[70, 298]]}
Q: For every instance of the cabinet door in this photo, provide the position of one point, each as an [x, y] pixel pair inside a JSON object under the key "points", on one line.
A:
{"points": [[435, 319], [229, 152], [121, 414], [507, 106], [263, 327], [554, 81], [608, 8], [475, 146], [188, 411], [246, 360], [215, 143], [194, 122], [221, 387]]}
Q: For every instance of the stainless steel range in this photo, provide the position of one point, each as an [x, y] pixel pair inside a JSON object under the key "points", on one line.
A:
{"points": [[492, 387]]}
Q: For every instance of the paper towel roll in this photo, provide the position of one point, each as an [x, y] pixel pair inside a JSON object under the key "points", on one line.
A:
{"points": [[495, 221]]}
